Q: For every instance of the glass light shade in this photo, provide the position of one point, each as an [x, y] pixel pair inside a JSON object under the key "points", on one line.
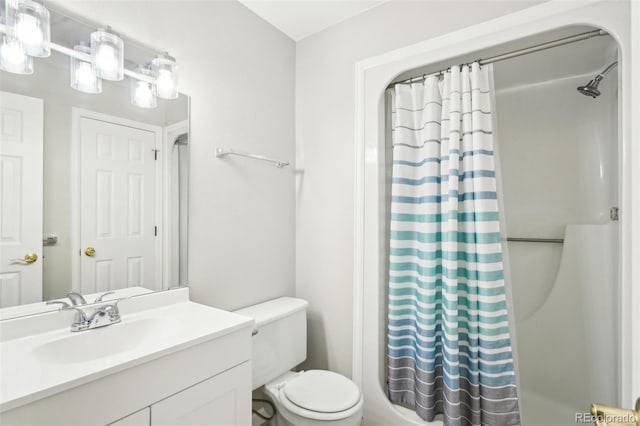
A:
{"points": [[142, 93], [165, 71], [83, 75], [107, 55], [30, 23], [13, 57]]}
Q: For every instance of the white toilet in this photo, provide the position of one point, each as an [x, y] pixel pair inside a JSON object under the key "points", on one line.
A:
{"points": [[307, 398]]}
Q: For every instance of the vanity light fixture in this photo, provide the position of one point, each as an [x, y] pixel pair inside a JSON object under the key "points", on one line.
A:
{"points": [[165, 71], [13, 57], [84, 77], [142, 92], [29, 22], [26, 33], [107, 54]]}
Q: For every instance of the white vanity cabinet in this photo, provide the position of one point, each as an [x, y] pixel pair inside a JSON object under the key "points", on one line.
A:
{"points": [[192, 366], [221, 400]]}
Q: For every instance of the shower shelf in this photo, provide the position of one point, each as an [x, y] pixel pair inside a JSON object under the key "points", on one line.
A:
{"points": [[535, 240], [222, 152]]}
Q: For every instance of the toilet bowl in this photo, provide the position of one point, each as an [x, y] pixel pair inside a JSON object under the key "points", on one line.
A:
{"points": [[305, 398], [315, 398]]}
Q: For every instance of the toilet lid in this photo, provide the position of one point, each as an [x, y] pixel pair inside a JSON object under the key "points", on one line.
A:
{"points": [[322, 391]]}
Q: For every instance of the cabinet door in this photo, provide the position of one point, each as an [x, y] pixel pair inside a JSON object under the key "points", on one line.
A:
{"points": [[223, 400], [139, 418]]}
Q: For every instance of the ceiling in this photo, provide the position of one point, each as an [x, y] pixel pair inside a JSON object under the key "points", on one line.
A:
{"points": [[301, 18]]}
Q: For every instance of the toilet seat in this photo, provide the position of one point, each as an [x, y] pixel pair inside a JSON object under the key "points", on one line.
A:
{"points": [[322, 391], [318, 396]]}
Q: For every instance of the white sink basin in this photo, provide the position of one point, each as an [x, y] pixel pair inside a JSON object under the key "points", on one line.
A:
{"points": [[102, 342], [40, 356]]}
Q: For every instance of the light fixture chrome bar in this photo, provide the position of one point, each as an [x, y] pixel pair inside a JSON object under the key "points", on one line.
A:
{"points": [[87, 58], [221, 153], [518, 52], [536, 240]]}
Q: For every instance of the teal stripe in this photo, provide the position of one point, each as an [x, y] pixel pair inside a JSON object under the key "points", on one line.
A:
{"points": [[481, 291], [462, 302], [447, 272], [443, 158], [445, 178], [439, 217], [471, 326], [466, 324], [480, 195], [447, 236], [447, 255], [427, 282]]}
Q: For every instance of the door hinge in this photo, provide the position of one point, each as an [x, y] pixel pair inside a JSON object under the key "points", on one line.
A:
{"points": [[155, 154], [155, 231]]}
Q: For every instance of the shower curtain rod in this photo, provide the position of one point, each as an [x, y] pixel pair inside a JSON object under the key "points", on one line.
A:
{"points": [[516, 53]]}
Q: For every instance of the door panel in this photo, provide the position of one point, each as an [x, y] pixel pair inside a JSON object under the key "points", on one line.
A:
{"points": [[21, 145], [118, 206]]}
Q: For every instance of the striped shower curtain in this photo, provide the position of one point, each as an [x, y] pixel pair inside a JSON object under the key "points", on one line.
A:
{"points": [[448, 345]]}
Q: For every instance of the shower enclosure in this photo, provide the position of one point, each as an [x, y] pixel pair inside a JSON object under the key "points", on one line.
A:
{"points": [[559, 162], [563, 180]]}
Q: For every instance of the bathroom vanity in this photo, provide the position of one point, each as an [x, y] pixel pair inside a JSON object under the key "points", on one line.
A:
{"points": [[169, 361]]}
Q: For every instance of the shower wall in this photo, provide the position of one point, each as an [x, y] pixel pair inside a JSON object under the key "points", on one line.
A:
{"points": [[558, 155]]}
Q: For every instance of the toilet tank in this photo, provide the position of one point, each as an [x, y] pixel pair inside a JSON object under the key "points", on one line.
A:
{"points": [[281, 340]]}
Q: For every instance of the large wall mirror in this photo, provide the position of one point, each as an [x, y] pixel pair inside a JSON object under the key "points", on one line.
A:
{"points": [[93, 187]]}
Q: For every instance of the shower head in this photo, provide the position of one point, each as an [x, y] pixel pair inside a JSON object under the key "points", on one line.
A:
{"points": [[591, 89]]}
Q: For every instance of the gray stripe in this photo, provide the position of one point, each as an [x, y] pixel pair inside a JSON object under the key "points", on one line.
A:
{"points": [[427, 394], [438, 141], [418, 146], [469, 112], [393, 111], [410, 128]]}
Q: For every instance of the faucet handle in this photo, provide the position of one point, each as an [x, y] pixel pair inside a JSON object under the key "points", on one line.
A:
{"points": [[99, 298], [76, 298]]}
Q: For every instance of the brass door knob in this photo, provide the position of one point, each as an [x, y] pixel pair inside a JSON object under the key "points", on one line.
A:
{"points": [[30, 257], [90, 251]]}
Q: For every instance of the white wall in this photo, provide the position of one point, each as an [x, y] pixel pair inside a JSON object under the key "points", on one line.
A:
{"points": [[325, 69], [239, 72]]}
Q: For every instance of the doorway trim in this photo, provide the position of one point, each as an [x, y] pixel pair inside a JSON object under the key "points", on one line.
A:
{"points": [[76, 250], [171, 132], [373, 75]]}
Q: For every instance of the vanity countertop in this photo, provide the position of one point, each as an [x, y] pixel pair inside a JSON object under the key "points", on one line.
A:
{"points": [[40, 364]]}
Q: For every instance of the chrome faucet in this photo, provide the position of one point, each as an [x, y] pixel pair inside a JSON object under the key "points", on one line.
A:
{"points": [[94, 315], [76, 299]]}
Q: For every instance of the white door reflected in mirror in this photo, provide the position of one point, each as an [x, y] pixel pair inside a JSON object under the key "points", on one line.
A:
{"points": [[21, 145], [119, 213]]}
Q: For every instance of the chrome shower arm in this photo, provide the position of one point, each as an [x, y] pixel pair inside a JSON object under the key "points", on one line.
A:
{"points": [[609, 68]]}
